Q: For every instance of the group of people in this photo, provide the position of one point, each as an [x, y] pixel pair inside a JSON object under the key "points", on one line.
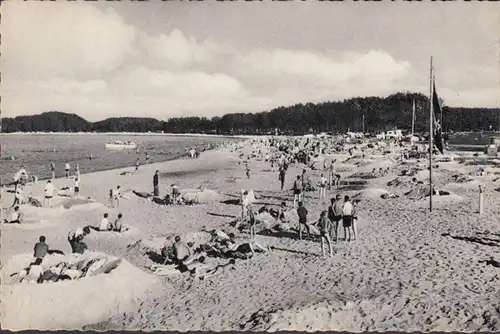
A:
{"points": [[173, 197], [339, 214]]}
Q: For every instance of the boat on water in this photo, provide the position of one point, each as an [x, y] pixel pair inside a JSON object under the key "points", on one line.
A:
{"points": [[120, 145]]}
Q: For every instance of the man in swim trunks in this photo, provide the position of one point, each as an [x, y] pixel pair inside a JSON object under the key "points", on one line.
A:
{"points": [[324, 226], [297, 191], [77, 186], [335, 216], [347, 217], [53, 169], [302, 213], [49, 192], [67, 168]]}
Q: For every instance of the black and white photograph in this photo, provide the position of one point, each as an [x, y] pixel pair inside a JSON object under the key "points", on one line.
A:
{"points": [[250, 165]]}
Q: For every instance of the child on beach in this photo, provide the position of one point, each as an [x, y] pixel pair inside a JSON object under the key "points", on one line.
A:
{"points": [[117, 226], [49, 192], [105, 225], [324, 226], [302, 213], [67, 168]]}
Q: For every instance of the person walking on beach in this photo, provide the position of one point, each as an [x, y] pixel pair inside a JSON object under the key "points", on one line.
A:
{"points": [[116, 197], [77, 186], [137, 164], [297, 191], [53, 169], [282, 176], [251, 221], [324, 226], [347, 217], [335, 216], [67, 168], [147, 158], [302, 213], [49, 192], [156, 191], [323, 182]]}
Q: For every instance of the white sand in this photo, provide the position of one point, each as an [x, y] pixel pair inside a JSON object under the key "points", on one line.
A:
{"points": [[402, 273]]}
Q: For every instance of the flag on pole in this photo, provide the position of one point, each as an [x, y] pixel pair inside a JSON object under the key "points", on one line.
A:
{"points": [[438, 129]]}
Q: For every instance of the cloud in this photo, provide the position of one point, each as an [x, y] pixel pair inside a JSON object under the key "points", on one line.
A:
{"points": [[77, 58]]}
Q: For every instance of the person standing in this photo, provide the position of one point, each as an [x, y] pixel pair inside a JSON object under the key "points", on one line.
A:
{"points": [[137, 164], [53, 169], [175, 194], [302, 213], [282, 176], [297, 191], [49, 192], [116, 197], [67, 168], [77, 186], [77, 173], [354, 219], [147, 158], [18, 195], [323, 182], [324, 226], [335, 216], [347, 217], [156, 191], [251, 221]]}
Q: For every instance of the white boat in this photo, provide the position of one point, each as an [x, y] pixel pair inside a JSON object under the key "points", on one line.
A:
{"points": [[119, 145]]}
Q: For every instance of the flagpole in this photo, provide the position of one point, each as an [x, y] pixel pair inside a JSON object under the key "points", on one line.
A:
{"points": [[431, 134], [413, 120]]}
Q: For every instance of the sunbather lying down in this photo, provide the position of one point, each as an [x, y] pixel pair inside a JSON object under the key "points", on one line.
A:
{"points": [[37, 273], [229, 248]]}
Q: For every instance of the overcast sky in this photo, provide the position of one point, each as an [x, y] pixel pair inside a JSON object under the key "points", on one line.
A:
{"points": [[167, 59]]}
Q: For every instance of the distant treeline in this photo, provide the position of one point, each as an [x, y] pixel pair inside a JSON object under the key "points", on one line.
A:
{"points": [[371, 114]]}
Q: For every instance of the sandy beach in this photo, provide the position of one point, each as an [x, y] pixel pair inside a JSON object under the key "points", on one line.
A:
{"points": [[409, 269]]}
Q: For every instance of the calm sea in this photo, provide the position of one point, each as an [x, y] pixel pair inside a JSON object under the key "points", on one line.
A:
{"points": [[37, 151]]}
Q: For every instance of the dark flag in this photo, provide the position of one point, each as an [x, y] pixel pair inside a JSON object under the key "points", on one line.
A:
{"points": [[438, 129]]}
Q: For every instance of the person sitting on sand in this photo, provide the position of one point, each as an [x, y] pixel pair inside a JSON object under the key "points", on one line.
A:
{"points": [[181, 252], [105, 225], [41, 248], [243, 250], [15, 218], [347, 217], [32, 273], [79, 247], [324, 226], [77, 235], [49, 192], [283, 213], [117, 225], [77, 187], [302, 213]]}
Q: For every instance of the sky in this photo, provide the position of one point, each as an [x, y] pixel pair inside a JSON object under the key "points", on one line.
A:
{"points": [[179, 58]]}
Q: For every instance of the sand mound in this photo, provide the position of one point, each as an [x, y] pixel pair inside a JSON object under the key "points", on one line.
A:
{"points": [[364, 176], [371, 193], [200, 196], [94, 298]]}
